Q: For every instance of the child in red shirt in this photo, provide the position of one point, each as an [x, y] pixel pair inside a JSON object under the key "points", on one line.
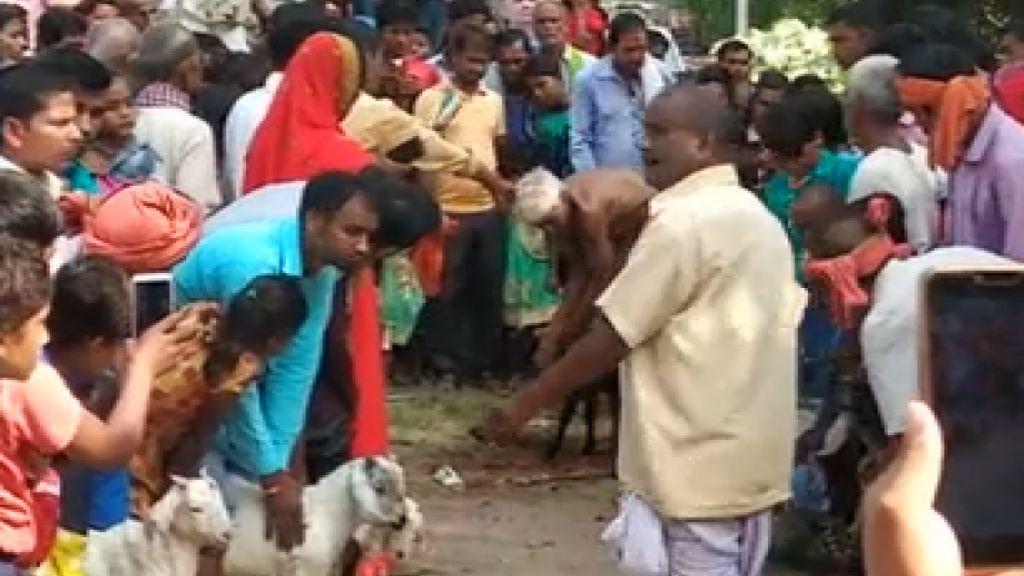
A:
{"points": [[39, 416], [586, 26]]}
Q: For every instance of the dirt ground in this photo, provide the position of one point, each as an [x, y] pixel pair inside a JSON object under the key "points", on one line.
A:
{"points": [[516, 512]]}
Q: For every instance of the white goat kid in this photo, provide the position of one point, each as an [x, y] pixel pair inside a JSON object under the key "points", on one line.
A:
{"points": [[400, 542], [191, 516], [363, 491]]}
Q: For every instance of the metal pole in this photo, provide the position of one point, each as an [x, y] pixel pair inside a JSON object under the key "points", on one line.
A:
{"points": [[742, 17]]}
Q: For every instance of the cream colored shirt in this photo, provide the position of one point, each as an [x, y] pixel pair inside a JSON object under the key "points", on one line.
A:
{"points": [[709, 307], [381, 126], [188, 157]]}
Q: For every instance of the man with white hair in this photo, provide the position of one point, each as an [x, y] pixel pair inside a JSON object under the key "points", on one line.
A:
{"points": [[113, 42], [593, 221], [891, 165], [169, 65]]}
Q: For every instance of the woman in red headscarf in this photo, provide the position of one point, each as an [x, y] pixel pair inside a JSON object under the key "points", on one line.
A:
{"points": [[301, 134], [300, 138]]}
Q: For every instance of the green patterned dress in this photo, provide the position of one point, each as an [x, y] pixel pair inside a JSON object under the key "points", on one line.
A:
{"points": [[401, 298], [531, 297]]}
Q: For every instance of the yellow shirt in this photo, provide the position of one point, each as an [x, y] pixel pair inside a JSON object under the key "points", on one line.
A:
{"points": [[478, 119], [709, 306]]}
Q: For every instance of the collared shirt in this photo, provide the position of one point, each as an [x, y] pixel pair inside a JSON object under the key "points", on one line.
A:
{"points": [[259, 435], [48, 180], [709, 308], [186, 152], [163, 94], [472, 121], [244, 119], [986, 203], [574, 61], [834, 169], [65, 248], [607, 115]]}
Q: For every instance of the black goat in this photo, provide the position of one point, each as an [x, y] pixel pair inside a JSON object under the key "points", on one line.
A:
{"points": [[589, 397]]}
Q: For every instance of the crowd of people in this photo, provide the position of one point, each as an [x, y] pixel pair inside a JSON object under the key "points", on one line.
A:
{"points": [[343, 194]]}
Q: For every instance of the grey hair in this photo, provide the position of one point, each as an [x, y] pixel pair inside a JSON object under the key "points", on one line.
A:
{"points": [[164, 46], [872, 88], [113, 41]]}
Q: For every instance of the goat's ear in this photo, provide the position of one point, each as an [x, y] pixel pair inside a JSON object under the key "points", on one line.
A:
{"points": [[179, 480], [393, 457]]}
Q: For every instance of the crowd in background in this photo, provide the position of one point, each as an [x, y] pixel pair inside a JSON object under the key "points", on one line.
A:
{"points": [[330, 187]]}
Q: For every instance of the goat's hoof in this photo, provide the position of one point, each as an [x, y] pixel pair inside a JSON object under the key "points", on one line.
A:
{"points": [[551, 452]]}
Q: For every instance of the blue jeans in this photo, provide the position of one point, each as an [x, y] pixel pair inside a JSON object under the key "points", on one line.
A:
{"points": [[818, 341]]}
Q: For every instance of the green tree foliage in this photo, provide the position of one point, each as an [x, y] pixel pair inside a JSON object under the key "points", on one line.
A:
{"points": [[717, 17]]}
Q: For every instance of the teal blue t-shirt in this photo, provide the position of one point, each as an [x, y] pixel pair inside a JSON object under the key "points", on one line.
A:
{"points": [[834, 169], [81, 179]]}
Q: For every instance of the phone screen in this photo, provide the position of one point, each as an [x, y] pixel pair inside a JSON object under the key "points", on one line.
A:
{"points": [[153, 302], [976, 332]]}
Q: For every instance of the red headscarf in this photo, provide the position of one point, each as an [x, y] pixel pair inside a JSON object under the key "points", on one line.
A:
{"points": [[301, 135]]}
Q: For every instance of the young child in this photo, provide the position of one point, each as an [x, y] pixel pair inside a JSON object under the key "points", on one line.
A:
{"points": [[551, 122], [420, 44], [89, 326], [113, 157], [41, 417]]}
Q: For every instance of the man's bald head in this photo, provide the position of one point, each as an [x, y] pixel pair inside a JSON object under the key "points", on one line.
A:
{"points": [[700, 108], [113, 42], [688, 128]]}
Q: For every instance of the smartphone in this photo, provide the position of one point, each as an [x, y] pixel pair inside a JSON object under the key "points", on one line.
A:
{"points": [[154, 299], [972, 371]]}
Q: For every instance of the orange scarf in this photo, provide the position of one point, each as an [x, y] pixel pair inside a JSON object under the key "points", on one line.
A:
{"points": [[842, 276], [957, 105]]}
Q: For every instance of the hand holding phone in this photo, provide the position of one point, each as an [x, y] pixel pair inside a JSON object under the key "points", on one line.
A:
{"points": [[972, 375], [153, 295], [904, 535]]}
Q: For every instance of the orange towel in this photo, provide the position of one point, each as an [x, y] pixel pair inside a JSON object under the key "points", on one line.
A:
{"points": [[146, 227], [427, 257]]}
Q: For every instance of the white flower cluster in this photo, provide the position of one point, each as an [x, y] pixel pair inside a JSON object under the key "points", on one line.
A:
{"points": [[794, 48]]}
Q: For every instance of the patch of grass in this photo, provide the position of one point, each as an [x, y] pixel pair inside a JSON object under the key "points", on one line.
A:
{"points": [[438, 419]]}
